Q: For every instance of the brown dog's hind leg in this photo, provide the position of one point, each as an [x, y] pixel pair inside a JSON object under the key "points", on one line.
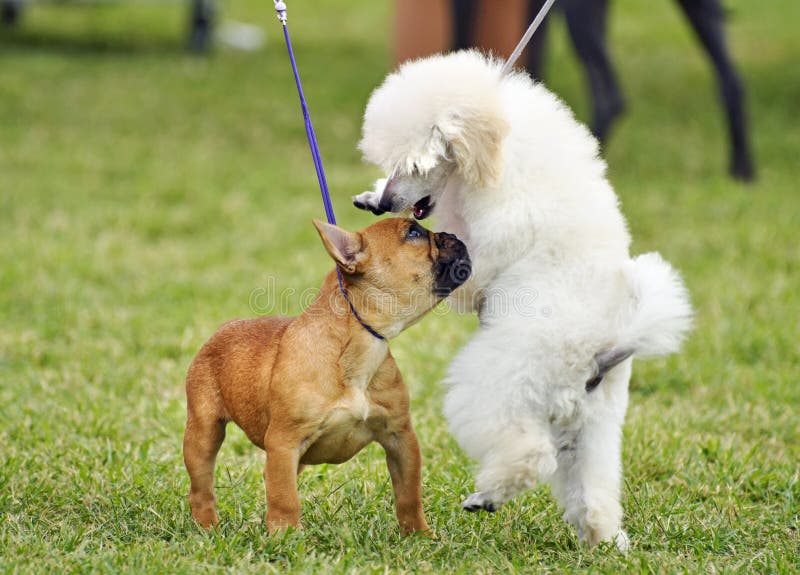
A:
{"points": [[201, 442]]}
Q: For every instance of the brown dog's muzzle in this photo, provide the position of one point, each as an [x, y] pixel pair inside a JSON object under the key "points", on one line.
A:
{"points": [[452, 266]]}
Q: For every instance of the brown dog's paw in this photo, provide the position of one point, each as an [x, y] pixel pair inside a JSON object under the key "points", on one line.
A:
{"points": [[206, 518], [416, 527], [426, 533], [282, 525]]}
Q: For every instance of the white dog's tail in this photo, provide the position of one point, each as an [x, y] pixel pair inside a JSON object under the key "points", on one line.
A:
{"points": [[662, 313], [660, 317]]}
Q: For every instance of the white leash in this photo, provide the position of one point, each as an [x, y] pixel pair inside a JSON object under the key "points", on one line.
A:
{"points": [[527, 37]]}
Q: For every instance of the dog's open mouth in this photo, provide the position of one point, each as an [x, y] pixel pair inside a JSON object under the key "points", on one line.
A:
{"points": [[423, 208]]}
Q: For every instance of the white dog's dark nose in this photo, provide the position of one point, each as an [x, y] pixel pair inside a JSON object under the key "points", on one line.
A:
{"points": [[385, 205], [362, 206]]}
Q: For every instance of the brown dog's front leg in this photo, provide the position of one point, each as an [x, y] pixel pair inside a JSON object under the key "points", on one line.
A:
{"points": [[280, 480], [405, 467]]}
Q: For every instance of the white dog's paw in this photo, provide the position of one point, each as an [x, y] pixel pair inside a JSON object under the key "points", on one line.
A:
{"points": [[371, 200], [590, 538], [622, 541], [480, 501]]}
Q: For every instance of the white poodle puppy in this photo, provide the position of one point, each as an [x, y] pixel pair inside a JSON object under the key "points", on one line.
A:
{"points": [[540, 392]]}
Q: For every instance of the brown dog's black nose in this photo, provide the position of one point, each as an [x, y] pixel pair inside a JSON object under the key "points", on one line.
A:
{"points": [[453, 266], [445, 241]]}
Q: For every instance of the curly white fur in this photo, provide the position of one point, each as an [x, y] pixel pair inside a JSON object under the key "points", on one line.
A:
{"points": [[520, 181]]}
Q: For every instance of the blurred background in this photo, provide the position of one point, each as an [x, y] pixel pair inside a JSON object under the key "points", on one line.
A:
{"points": [[154, 175]]}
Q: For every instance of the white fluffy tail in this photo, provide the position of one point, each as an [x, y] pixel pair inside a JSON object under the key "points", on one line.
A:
{"points": [[662, 312]]}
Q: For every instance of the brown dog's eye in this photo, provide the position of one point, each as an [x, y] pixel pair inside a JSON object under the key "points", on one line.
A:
{"points": [[416, 231]]}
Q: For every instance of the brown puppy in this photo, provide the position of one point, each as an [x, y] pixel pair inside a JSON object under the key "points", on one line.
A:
{"points": [[319, 387]]}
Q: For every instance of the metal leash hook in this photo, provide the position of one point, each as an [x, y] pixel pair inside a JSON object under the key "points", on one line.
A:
{"points": [[280, 8]]}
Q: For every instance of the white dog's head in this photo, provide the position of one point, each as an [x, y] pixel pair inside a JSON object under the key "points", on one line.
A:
{"points": [[431, 119]]}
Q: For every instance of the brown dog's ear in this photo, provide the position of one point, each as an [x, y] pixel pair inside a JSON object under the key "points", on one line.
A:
{"points": [[344, 247]]}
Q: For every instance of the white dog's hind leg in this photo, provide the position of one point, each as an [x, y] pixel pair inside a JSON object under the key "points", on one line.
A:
{"points": [[520, 460], [495, 411], [588, 480]]}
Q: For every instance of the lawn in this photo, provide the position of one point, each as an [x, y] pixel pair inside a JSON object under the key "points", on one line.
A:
{"points": [[147, 195]]}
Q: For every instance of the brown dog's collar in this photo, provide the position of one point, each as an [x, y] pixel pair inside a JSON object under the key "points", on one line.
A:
{"points": [[364, 324]]}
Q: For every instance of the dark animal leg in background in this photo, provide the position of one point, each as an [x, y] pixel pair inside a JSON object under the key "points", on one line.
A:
{"points": [[586, 22], [201, 25], [463, 25], [706, 17], [10, 11]]}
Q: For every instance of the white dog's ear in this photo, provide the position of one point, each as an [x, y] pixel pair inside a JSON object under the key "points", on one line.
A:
{"points": [[474, 141], [346, 248]]}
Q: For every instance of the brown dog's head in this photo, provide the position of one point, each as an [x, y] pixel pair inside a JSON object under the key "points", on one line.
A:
{"points": [[395, 270]]}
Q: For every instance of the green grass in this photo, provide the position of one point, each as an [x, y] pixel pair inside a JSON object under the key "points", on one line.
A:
{"points": [[145, 194]]}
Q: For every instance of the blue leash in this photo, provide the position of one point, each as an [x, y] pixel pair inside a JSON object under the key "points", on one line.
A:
{"points": [[280, 8]]}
